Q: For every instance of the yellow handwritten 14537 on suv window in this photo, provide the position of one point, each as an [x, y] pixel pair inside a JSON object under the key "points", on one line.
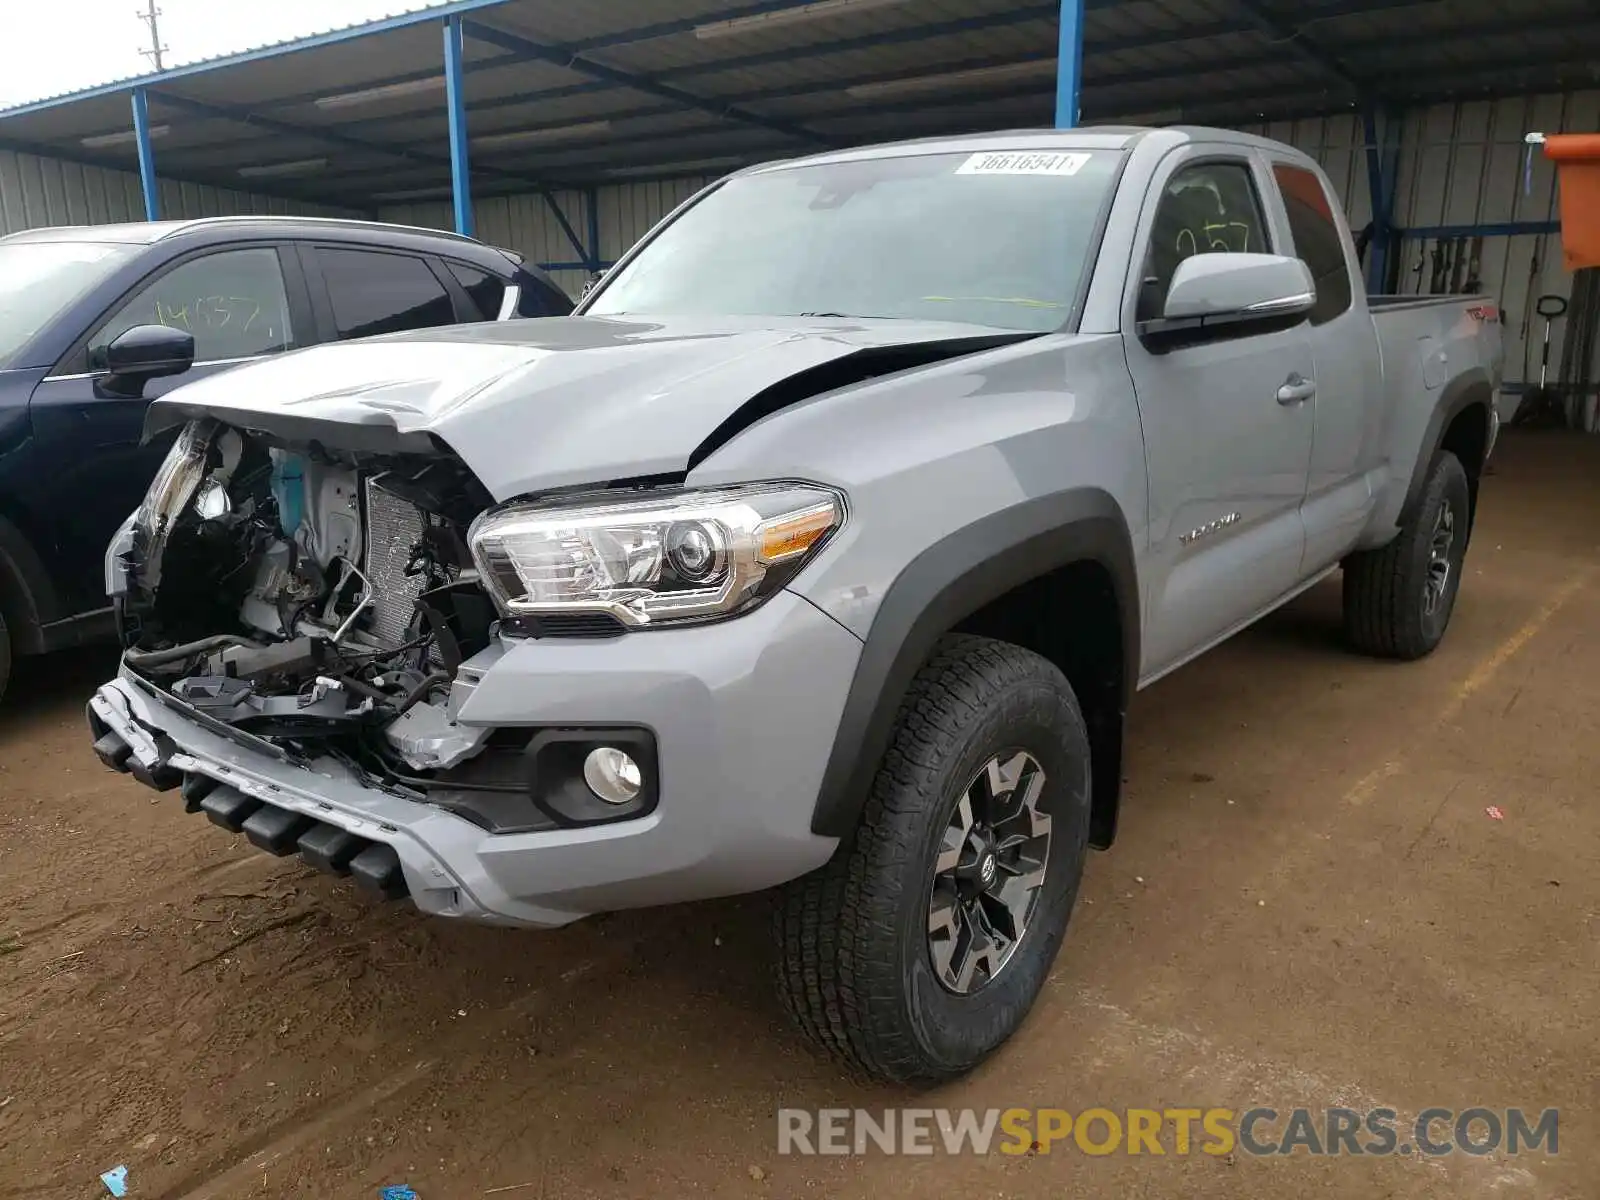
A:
{"points": [[1176, 1131]]}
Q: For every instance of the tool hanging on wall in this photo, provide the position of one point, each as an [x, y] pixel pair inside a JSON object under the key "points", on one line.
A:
{"points": [[1458, 265], [1542, 407], [1440, 267], [1474, 281]]}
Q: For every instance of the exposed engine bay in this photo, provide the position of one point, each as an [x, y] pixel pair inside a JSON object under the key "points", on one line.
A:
{"points": [[322, 600]]}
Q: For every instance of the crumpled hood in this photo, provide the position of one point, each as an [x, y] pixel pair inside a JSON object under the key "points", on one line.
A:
{"points": [[544, 403]]}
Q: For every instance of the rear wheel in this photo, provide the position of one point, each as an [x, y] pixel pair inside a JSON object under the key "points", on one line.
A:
{"points": [[1398, 599], [921, 946]]}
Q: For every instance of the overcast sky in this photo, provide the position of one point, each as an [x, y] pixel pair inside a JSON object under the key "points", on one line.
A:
{"points": [[54, 46]]}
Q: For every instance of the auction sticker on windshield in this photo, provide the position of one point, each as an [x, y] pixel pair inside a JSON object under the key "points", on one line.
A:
{"points": [[1022, 163]]}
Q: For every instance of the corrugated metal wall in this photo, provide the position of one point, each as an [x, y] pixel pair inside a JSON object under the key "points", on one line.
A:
{"points": [[45, 191]]}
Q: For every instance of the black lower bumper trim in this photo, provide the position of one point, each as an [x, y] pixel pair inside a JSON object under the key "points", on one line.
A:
{"points": [[195, 789], [377, 868], [229, 808], [329, 849], [275, 830], [113, 751]]}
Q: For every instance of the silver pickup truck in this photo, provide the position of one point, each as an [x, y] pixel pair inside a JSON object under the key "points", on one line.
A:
{"points": [[823, 549]]}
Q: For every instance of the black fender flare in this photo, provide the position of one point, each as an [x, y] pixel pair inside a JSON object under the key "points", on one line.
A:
{"points": [[1467, 389], [27, 594], [948, 582]]}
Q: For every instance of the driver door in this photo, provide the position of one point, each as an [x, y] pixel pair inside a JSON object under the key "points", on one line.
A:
{"points": [[1227, 457], [237, 304]]}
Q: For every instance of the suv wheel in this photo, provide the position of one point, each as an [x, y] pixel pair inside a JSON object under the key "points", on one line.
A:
{"points": [[921, 946], [1398, 599]]}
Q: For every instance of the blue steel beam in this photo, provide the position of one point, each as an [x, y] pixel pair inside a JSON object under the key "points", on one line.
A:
{"points": [[1069, 64], [638, 83], [1378, 246], [147, 159], [455, 98]]}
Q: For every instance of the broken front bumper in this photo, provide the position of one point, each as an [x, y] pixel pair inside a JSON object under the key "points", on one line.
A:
{"points": [[744, 714]]}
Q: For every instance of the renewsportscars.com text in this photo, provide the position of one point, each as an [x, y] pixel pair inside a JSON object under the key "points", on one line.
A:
{"points": [[1162, 1131]]}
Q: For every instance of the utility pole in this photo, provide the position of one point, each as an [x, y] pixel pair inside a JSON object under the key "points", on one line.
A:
{"points": [[150, 16]]}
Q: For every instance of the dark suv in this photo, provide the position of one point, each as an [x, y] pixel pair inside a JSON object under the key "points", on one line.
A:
{"points": [[96, 321]]}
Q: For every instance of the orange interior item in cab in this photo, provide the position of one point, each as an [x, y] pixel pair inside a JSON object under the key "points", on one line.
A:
{"points": [[1577, 159]]}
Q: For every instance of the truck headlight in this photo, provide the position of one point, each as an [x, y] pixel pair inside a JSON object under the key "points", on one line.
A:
{"points": [[687, 556]]}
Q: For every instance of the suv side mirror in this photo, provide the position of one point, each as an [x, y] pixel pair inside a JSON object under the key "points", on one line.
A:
{"points": [[143, 353], [1215, 296]]}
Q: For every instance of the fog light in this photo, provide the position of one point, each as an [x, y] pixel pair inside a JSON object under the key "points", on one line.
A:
{"points": [[612, 775]]}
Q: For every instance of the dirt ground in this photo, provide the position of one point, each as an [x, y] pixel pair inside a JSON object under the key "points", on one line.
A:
{"points": [[1308, 905]]}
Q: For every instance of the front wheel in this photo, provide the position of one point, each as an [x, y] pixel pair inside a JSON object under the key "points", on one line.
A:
{"points": [[921, 946], [1398, 599]]}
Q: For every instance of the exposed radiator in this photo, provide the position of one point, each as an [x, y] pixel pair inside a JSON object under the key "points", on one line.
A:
{"points": [[394, 529]]}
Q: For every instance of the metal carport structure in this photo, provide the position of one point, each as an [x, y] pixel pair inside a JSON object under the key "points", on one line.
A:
{"points": [[477, 98]]}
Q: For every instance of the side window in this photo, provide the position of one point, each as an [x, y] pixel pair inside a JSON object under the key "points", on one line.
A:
{"points": [[486, 290], [1209, 208], [374, 292], [1316, 239], [233, 303]]}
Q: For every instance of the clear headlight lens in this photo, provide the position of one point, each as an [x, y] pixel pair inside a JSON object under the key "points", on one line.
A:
{"points": [[686, 556]]}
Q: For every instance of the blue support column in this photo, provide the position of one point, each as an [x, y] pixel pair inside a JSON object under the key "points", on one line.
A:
{"points": [[591, 200], [1069, 65], [147, 157], [1382, 167], [456, 99]]}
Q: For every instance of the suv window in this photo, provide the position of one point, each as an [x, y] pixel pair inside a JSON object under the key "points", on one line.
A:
{"points": [[486, 290], [233, 302], [1209, 208], [1316, 239], [374, 292]]}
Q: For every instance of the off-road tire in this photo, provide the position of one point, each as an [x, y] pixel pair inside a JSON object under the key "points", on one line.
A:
{"points": [[1385, 589], [855, 971]]}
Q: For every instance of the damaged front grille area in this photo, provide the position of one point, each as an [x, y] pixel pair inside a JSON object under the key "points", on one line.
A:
{"points": [[324, 600], [282, 832]]}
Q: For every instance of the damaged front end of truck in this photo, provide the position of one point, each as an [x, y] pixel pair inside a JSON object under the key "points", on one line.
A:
{"points": [[321, 601]]}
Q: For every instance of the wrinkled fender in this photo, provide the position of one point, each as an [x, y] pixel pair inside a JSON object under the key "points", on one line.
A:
{"points": [[1472, 387], [948, 582]]}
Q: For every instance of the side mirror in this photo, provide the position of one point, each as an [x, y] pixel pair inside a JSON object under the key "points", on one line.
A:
{"points": [[1214, 296], [142, 353]]}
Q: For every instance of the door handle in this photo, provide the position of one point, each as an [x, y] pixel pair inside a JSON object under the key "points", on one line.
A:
{"points": [[1296, 389]]}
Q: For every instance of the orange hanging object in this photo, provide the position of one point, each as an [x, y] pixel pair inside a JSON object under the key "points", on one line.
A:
{"points": [[1577, 159]]}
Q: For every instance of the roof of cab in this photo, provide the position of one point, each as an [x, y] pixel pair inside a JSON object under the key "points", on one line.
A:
{"points": [[1088, 137]]}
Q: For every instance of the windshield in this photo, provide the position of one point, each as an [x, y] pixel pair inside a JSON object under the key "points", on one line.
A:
{"points": [[997, 238], [39, 279]]}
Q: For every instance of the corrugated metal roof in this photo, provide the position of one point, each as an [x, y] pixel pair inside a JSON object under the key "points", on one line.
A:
{"points": [[628, 85]]}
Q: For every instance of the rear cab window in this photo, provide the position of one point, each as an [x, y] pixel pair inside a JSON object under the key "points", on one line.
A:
{"points": [[1317, 239]]}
